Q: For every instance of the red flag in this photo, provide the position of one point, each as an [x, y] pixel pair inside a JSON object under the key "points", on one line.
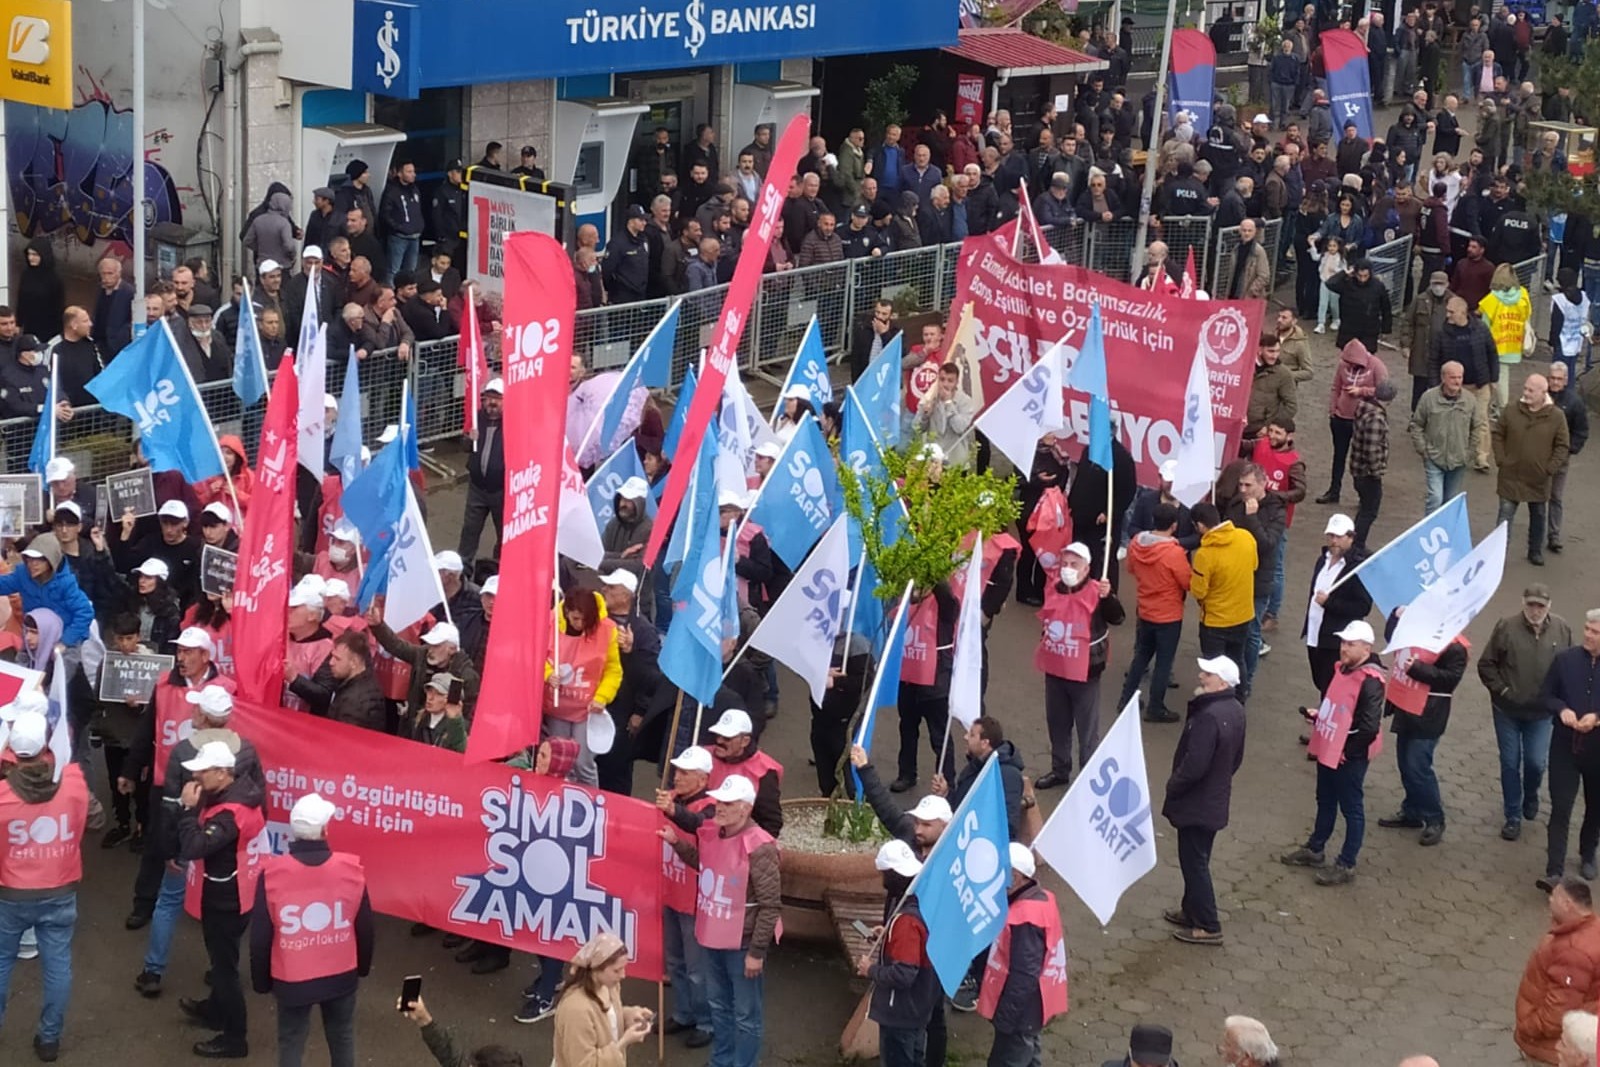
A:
{"points": [[1190, 284], [261, 588], [470, 356], [541, 300], [724, 346]]}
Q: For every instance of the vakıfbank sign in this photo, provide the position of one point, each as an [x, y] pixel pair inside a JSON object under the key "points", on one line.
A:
{"points": [[38, 52]]}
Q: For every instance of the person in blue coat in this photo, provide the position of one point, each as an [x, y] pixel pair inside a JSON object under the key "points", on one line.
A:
{"points": [[42, 582]]}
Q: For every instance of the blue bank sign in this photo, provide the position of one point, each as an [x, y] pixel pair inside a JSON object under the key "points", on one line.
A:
{"points": [[475, 41]]}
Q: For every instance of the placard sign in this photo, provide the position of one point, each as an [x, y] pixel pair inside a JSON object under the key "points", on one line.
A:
{"points": [[32, 496], [131, 677], [217, 567], [133, 490]]}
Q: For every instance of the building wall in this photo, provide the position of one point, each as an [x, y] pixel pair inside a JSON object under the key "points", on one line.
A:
{"points": [[513, 113], [267, 119]]}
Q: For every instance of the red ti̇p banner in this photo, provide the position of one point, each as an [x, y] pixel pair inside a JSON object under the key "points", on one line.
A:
{"points": [[266, 547], [969, 99], [472, 359], [541, 300], [486, 851], [724, 346], [1022, 309]]}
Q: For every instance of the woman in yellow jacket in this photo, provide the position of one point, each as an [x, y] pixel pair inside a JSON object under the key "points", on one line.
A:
{"points": [[585, 677], [1507, 310]]}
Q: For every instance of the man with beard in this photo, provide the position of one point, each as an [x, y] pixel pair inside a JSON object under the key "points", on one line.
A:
{"points": [[486, 476], [625, 535]]}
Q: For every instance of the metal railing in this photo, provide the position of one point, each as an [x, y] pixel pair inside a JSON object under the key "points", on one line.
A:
{"points": [[1392, 263], [1530, 272], [1227, 249]]}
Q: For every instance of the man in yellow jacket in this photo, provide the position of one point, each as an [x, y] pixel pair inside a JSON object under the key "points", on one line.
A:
{"points": [[1223, 583]]}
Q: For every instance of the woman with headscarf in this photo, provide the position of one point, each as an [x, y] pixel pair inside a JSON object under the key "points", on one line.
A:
{"points": [[593, 1028], [40, 294]]}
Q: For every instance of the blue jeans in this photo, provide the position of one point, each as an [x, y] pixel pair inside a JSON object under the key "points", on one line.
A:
{"points": [[1469, 80], [1442, 485], [402, 252], [1340, 790], [1252, 645], [164, 923], [1591, 289], [1415, 757], [1158, 641], [736, 1004], [1524, 754], [54, 919], [686, 967], [1275, 600], [902, 1046]]}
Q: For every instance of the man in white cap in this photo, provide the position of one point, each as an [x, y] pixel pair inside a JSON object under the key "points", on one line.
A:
{"points": [[439, 653], [1025, 981], [216, 527], [767, 453], [627, 533], [486, 473], [62, 477], [639, 648], [740, 893], [219, 824], [920, 827], [1345, 735], [341, 558], [1141, 516], [311, 935], [172, 541], [309, 642], [686, 961], [310, 285], [1073, 651], [1199, 790], [41, 863], [1329, 609], [905, 988], [736, 751], [460, 593]]}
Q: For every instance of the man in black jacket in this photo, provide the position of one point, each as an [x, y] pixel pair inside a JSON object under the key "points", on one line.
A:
{"points": [[1198, 793], [448, 216], [1571, 403], [343, 688], [1365, 310], [313, 285], [1422, 684], [486, 474], [1265, 517], [627, 270], [1028, 944], [1346, 728], [1572, 696], [872, 336], [639, 648], [984, 736], [1330, 609]]}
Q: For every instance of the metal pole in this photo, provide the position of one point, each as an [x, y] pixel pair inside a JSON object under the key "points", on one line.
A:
{"points": [[137, 219], [1153, 150], [5, 230]]}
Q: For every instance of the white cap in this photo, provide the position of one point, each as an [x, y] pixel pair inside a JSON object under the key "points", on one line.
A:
{"points": [[345, 530], [268, 266], [330, 401], [932, 809], [59, 468], [769, 450], [390, 432], [693, 758], [931, 453], [897, 856], [733, 723], [311, 252], [32, 553], [30, 732], [491, 586], [635, 488], [213, 756], [441, 633], [735, 789], [1222, 667], [306, 596], [1358, 630], [448, 560], [1079, 549], [1340, 526], [1260, 118], [1022, 859], [622, 578], [1169, 470], [336, 588], [310, 815], [25, 701], [69, 507], [154, 568], [194, 637], [174, 509], [797, 392], [730, 498], [217, 509], [214, 700], [495, 386]]}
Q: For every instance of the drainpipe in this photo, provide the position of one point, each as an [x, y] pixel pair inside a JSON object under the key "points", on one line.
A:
{"points": [[994, 91], [234, 154]]}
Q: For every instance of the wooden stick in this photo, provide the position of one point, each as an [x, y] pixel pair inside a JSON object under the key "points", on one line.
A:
{"points": [[944, 746], [672, 738], [661, 1022]]}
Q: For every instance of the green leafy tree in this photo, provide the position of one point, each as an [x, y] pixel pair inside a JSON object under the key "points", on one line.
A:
{"points": [[1565, 192], [885, 98]]}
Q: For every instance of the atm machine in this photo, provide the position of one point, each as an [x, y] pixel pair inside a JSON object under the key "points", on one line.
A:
{"points": [[326, 150], [590, 146]]}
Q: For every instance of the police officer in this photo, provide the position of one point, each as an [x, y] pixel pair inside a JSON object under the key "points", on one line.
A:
{"points": [[39, 874], [1515, 237], [627, 266], [311, 936], [24, 384], [220, 827], [449, 216]]}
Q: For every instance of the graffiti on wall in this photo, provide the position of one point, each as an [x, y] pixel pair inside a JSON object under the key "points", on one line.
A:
{"points": [[71, 172]]}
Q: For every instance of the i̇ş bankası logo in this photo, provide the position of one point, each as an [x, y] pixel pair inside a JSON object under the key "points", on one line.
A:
{"points": [[693, 25]]}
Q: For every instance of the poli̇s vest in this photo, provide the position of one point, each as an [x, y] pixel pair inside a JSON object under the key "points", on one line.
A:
{"points": [[920, 663], [248, 852], [1336, 715], [679, 886], [1065, 640], [1052, 977], [1404, 691], [754, 767], [313, 911], [1277, 465], [175, 720], [42, 847], [724, 883], [582, 661]]}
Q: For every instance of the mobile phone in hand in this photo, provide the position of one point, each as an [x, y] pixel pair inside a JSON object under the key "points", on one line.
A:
{"points": [[861, 928], [410, 991]]}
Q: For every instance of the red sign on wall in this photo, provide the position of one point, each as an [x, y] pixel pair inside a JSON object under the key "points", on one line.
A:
{"points": [[969, 99]]}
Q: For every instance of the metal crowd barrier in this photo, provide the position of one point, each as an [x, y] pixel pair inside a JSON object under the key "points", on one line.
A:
{"points": [[1392, 263], [1530, 272], [1227, 248]]}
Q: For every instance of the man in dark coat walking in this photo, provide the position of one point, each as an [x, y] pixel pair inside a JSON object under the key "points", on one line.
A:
{"points": [[1427, 681], [1208, 755]]}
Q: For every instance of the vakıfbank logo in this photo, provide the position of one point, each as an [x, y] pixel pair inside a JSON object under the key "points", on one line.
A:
{"points": [[28, 41], [38, 52]]}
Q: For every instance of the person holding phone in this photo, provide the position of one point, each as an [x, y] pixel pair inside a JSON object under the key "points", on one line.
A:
{"points": [[301, 964], [592, 1025], [441, 1040]]}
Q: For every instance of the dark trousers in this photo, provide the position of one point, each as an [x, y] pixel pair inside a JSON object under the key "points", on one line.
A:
{"points": [[1030, 575], [338, 1024], [124, 806], [152, 864], [1566, 776], [1307, 286], [938, 1036], [1194, 860], [1014, 1050], [1419, 385], [1225, 641], [1071, 708], [1156, 641], [902, 1046], [916, 709], [1341, 790], [481, 505], [1370, 490], [1342, 430], [225, 1007], [1324, 661], [615, 768], [829, 739]]}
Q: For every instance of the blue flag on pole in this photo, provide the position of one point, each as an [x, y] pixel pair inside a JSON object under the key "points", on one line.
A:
{"points": [[669, 444], [962, 887], [249, 359], [878, 392], [1403, 568], [607, 478], [1088, 375], [44, 435], [152, 387], [691, 653], [801, 497], [810, 369], [344, 450], [408, 428], [374, 503], [886, 683], [650, 366]]}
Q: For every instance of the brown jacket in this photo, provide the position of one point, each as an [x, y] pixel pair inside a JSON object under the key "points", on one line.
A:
{"points": [[1273, 396], [763, 894], [1562, 975], [1255, 282], [583, 1032], [1427, 317], [1529, 448], [1297, 353]]}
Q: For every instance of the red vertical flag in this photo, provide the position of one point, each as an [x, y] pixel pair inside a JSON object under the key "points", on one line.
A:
{"points": [[541, 301], [266, 550], [724, 347], [471, 358]]}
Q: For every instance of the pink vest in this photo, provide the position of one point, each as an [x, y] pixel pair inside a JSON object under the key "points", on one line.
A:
{"points": [[43, 846], [331, 511], [1337, 713], [251, 846], [920, 663], [1404, 691], [678, 883], [338, 624], [306, 656], [1064, 641], [582, 662], [993, 549], [313, 912], [1050, 528], [754, 767], [1052, 978], [323, 568], [175, 720], [724, 883], [1277, 465], [394, 675]]}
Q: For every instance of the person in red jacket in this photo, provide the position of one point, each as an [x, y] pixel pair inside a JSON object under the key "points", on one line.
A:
{"points": [[1160, 569], [1563, 974], [1025, 979]]}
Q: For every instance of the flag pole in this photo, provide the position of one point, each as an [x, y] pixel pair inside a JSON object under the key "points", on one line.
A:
{"points": [[204, 414], [1105, 564], [1141, 235], [672, 738], [1357, 568], [944, 746], [850, 610]]}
